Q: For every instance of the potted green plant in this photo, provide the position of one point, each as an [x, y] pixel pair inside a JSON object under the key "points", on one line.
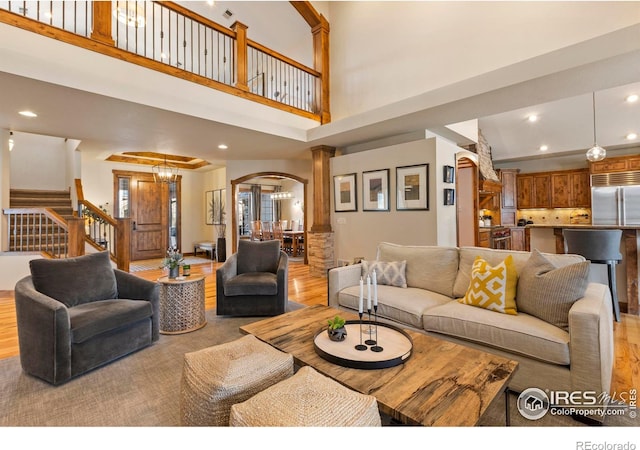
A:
{"points": [[337, 331], [172, 261]]}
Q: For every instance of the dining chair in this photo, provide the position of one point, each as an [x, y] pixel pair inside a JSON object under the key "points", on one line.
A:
{"points": [[256, 230], [267, 230]]}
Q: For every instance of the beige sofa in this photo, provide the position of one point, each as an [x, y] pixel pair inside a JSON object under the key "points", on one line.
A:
{"points": [[579, 359]]}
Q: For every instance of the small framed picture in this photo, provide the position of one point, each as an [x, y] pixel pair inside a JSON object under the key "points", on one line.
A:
{"points": [[448, 174], [375, 190], [344, 192], [449, 197], [412, 187], [209, 208]]}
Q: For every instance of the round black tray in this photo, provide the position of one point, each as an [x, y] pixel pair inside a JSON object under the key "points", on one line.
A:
{"points": [[397, 346]]}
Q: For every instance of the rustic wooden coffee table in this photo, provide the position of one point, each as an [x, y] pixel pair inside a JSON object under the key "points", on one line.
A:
{"points": [[441, 384]]}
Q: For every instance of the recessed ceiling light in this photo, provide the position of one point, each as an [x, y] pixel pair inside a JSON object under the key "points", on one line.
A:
{"points": [[632, 136], [632, 98], [222, 147], [28, 113], [532, 118], [544, 148]]}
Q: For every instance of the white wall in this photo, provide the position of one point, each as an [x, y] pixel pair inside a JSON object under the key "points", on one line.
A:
{"points": [[42, 158], [383, 52], [358, 233]]}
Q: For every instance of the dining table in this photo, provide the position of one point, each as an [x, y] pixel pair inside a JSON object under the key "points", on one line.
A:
{"points": [[295, 238]]}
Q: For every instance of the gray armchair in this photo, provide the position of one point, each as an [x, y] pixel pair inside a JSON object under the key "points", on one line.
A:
{"points": [[253, 281], [80, 313]]}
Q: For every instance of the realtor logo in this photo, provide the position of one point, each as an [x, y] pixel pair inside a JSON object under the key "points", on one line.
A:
{"points": [[533, 403]]}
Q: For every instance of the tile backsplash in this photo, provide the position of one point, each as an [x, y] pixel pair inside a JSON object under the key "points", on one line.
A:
{"points": [[560, 216]]}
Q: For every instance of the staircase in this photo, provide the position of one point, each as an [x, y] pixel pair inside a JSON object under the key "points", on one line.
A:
{"points": [[35, 232]]}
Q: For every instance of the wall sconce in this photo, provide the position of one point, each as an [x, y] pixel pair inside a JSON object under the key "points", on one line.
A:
{"points": [[11, 143]]}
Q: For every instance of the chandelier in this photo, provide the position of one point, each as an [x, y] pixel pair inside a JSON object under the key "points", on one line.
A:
{"points": [[130, 14], [164, 172], [595, 153]]}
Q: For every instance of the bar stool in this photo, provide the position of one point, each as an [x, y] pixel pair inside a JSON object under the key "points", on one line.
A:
{"points": [[599, 247]]}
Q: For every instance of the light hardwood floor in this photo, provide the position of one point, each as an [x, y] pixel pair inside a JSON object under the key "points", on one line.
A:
{"points": [[309, 290]]}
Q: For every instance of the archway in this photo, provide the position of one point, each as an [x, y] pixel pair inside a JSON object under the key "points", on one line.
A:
{"points": [[234, 199]]}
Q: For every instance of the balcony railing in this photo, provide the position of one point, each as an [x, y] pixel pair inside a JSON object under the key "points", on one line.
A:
{"points": [[167, 37]]}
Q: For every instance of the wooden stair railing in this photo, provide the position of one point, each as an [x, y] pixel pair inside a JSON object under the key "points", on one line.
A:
{"points": [[43, 230], [103, 232]]}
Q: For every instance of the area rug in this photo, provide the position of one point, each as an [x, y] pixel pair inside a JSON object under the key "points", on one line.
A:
{"points": [[143, 389]]}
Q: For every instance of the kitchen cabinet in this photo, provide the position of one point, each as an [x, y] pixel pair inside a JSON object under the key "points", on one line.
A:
{"points": [[534, 190], [616, 164], [508, 197], [570, 189], [520, 239], [559, 189], [484, 238]]}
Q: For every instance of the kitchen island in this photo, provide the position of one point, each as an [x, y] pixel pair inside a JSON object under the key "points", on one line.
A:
{"points": [[541, 236]]}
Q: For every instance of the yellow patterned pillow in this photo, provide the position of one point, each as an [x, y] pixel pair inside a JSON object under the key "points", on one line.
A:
{"points": [[493, 288]]}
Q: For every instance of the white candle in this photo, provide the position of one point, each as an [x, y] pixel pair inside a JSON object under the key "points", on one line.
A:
{"points": [[375, 289], [360, 301], [368, 292]]}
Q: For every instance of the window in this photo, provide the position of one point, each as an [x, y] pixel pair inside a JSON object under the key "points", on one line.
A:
{"points": [[266, 205], [122, 206]]}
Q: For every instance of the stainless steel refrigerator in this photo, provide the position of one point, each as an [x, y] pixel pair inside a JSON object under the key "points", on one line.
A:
{"points": [[615, 205]]}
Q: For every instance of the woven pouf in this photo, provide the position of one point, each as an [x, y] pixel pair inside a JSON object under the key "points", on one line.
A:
{"points": [[307, 399], [216, 377]]}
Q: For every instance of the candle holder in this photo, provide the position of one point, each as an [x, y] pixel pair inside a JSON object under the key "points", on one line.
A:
{"points": [[360, 346], [369, 330], [376, 348]]}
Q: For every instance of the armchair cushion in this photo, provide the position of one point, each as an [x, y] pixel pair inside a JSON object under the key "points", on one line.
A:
{"points": [[254, 256], [92, 319], [252, 283], [73, 281]]}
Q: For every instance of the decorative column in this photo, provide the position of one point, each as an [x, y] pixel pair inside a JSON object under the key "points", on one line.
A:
{"points": [[241, 55], [321, 64], [102, 23], [320, 246]]}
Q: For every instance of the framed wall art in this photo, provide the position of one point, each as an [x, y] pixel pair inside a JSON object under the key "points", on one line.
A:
{"points": [[344, 191], [412, 187], [208, 207], [375, 190], [214, 207]]}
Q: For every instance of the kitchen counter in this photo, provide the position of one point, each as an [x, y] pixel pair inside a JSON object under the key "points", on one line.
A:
{"points": [[630, 235]]}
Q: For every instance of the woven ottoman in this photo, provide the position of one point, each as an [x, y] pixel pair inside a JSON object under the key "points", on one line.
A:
{"points": [[216, 377], [307, 399]]}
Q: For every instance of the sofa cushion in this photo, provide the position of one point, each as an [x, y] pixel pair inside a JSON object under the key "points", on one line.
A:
{"points": [[521, 333], [548, 292], [92, 319], [493, 288], [258, 256], [387, 273], [404, 305], [431, 268], [253, 283], [74, 281], [493, 257]]}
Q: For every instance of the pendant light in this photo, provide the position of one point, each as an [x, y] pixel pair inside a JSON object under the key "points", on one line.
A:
{"points": [[595, 153], [164, 172]]}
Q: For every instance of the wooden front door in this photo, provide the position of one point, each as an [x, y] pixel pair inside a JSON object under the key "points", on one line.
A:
{"points": [[149, 218], [146, 202]]}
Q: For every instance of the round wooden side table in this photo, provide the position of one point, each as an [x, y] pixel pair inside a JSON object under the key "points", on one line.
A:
{"points": [[181, 304]]}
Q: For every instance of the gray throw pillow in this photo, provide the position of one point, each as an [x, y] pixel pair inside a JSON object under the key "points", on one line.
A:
{"points": [[74, 281], [387, 273], [548, 292], [258, 256]]}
